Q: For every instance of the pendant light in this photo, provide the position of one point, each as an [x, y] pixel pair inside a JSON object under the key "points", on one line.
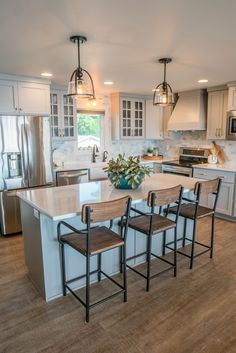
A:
{"points": [[81, 82], [163, 94]]}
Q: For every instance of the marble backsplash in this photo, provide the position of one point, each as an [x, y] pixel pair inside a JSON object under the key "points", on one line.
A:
{"points": [[67, 152]]}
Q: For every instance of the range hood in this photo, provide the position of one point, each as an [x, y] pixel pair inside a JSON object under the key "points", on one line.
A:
{"points": [[190, 111]]}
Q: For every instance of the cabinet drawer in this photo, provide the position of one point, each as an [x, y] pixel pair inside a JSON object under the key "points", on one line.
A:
{"points": [[227, 177]]}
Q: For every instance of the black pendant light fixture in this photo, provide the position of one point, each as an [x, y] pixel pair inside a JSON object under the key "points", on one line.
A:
{"points": [[163, 94], [81, 83]]}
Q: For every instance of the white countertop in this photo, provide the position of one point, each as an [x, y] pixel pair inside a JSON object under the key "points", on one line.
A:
{"points": [[66, 201], [224, 167]]}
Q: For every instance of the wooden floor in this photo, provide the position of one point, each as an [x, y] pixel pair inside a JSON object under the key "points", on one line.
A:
{"points": [[193, 313]]}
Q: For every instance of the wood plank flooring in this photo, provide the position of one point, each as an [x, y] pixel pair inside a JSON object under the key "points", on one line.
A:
{"points": [[193, 313]]}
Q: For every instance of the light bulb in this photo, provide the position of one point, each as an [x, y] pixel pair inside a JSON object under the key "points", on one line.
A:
{"points": [[79, 87], [93, 102]]}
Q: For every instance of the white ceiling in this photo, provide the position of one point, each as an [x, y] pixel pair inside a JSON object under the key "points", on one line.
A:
{"points": [[125, 39]]}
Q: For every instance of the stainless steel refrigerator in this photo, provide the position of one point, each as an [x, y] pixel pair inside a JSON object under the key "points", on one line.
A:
{"points": [[25, 162]]}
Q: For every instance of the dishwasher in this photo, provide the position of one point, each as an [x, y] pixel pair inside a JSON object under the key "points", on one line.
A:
{"points": [[70, 177]]}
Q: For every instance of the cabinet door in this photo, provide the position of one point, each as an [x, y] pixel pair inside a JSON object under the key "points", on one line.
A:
{"points": [[126, 118], [224, 114], [33, 98], [68, 116], [8, 97], [138, 118], [232, 98], [55, 111], [154, 121], [214, 114], [217, 113], [225, 201]]}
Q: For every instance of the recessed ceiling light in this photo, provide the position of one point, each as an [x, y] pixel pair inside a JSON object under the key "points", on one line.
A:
{"points": [[204, 80], [108, 83], [46, 74]]}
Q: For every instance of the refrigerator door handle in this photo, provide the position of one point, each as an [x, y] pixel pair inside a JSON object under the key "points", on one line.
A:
{"points": [[24, 148]]}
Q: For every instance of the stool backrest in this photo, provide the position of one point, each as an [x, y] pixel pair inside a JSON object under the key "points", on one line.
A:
{"points": [[106, 211], [164, 197]]}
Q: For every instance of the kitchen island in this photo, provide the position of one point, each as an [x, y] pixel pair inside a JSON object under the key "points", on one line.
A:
{"points": [[42, 209]]}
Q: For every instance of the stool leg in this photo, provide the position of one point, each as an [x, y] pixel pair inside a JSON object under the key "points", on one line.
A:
{"points": [[164, 244], [99, 266], [87, 287], [121, 259], [63, 269], [175, 252], [193, 243], [185, 230], [124, 272], [148, 261], [212, 234]]}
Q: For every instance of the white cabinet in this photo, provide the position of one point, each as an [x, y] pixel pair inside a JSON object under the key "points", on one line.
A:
{"points": [[33, 98], [232, 98], [63, 115], [8, 97], [128, 116], [154, 121], [226, 196], [217, 114], [24, 97]]}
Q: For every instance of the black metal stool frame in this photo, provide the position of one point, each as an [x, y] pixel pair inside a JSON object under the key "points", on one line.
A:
{"points": [[148, 252], [193, 240], [65, 282]]}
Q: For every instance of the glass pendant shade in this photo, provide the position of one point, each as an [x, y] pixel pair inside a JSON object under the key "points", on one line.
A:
{"points": [[81, 83], [163, 94]]}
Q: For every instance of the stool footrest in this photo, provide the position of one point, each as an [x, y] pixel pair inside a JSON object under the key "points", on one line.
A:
{"points": [[82, 276], [135, 256], [162, 259], [107, 298], [112, 280], [172, 242]]}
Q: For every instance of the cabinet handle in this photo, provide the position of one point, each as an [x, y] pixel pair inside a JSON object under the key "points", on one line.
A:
{"points": [[216, 132], [20, 109]]}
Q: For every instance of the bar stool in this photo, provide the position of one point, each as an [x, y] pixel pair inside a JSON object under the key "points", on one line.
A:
{"points": [[194, 211], [94, 241], [152, 223]]}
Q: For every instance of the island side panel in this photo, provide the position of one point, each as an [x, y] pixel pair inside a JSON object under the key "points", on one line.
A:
{"points": [[33, 252]]}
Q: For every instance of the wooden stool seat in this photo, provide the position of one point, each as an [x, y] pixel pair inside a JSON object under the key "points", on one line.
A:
{"points": [[159, 223], [101, 239], [187, 210]]}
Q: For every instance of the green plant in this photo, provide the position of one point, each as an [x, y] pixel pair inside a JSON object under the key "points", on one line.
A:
{"points": [[129, 169], [150, 150]]}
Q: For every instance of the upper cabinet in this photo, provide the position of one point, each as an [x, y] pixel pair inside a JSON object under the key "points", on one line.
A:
{"points": [[232, 98], [154, 121], [24, 97], [217, 114], [63, 115], [128, 116]]}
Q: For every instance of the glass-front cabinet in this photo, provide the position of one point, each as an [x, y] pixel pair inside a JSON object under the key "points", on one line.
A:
{"points": [[63, 113], [128, 117]]}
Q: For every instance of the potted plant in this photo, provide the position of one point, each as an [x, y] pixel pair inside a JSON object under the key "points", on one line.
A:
{"points": [[150, 152], [126, 173]]}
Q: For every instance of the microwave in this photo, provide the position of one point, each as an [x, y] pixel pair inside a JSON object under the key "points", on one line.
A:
{"points": [[231, 126]]}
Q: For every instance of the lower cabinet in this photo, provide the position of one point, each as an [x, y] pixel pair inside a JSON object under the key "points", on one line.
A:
{"points": [[225, 205]]}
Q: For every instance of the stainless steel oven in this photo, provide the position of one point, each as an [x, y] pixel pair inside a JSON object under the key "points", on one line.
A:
{"points": [[231, 126], [179, 170]]}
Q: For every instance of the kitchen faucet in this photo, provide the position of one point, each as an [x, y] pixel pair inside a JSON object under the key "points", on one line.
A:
{"points": [[94, 155], [104, 156]]}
